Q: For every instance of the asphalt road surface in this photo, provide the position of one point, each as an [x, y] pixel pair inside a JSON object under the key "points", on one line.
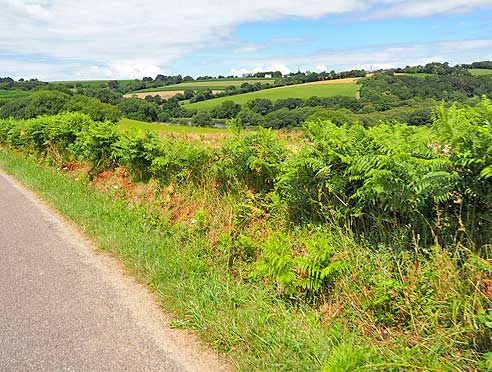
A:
{"points": [[64, 307]]}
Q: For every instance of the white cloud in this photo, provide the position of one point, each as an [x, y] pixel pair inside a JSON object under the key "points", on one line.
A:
{"points": [[133, 36], [252, 70], [422, 8], [133, 69], [383, 56]]}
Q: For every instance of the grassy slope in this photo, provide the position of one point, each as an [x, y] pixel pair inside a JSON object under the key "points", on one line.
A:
{"points": [[162, 127], [205, 84], [258, 332], [6, 95], [293, 91], [480, 72]]}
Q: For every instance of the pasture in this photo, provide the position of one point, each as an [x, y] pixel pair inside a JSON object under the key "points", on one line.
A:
{"points": [[320, 89], [7, 95], [480, 72]]}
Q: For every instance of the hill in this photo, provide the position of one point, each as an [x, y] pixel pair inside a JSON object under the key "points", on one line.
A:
{"points": [[342, 87]]}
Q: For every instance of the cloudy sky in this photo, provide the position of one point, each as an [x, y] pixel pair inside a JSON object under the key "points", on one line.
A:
{"points": [[110, 39]]}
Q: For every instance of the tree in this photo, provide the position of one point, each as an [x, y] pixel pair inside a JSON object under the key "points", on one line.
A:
{"points": [[138, 109], [97, 110], [226, 110], [202, 119], [261, 106], [188, 93], [46, 103], [249, 118], [113, 84]]}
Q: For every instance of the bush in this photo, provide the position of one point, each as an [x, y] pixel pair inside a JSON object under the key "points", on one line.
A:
{"points": [[94, 143], [254, 159]]}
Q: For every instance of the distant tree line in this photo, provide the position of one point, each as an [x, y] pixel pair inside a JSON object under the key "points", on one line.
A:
{"points": [[478, 65], [53, 99], [7, 83], [436, 68]]}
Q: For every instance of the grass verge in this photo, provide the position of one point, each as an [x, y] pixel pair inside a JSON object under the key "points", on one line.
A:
{"points": [[248, 324]]}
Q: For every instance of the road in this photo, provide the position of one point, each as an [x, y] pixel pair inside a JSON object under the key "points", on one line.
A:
{"points": [[65, 307]]}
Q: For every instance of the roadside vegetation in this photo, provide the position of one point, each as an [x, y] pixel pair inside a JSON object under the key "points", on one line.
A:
{"points": [[351, 248], [126, 124]]}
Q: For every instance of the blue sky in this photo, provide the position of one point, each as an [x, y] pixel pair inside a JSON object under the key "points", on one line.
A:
{"points": [[60, 40]]}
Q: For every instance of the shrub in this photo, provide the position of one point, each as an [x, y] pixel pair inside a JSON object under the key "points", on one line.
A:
{"points": [[254, 159], [94, 144]]}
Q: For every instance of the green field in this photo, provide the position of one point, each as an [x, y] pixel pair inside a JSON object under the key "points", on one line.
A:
{"points": [[7, 95], [293, 91], [480, 72], [205, 84], [125, 124]]}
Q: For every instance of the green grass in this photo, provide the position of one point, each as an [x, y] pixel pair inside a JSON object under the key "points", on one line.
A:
{"points": [[241, 320], [205, 84], [293, 91], [7, 95], [480, 72], [125, 124]]}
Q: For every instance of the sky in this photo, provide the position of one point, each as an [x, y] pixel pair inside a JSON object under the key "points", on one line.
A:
{"points": [[128, 39]]}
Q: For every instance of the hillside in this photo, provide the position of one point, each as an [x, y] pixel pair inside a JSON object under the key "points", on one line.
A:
{"points": [[322, 89]]}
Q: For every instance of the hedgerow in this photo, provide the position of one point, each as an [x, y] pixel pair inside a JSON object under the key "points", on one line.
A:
{"points": [[385, 230]]}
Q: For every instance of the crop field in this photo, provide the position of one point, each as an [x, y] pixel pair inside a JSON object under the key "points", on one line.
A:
{"points": [[321, 89], [480, 72], [6, 95], [206, 84], [125, 124]]}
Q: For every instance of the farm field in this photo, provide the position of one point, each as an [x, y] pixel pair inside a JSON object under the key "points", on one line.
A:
{"points": [[126, 124], [206, 84], [321, 89], [480, 72], [6, 95]]}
